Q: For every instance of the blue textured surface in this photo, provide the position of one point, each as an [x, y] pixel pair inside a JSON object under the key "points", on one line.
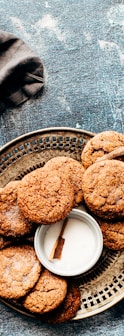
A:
{"points": [[81, 44]]}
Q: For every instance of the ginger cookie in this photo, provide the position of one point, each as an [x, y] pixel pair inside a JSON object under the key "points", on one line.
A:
{"points": [[19, 271], [48, 293], [103, 188], [45, 197], [101, 144], [12, 221], [72, 169], [68, 308], [113, 234]]}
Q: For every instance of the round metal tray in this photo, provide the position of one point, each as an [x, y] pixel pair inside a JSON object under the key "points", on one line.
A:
{"points": [[103, 285]]}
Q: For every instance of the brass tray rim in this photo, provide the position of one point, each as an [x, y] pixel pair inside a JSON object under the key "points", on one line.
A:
{"points": [[44, 130]]}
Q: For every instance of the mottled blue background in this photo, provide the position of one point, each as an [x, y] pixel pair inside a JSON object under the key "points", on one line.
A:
{"points": [[81, 44]]}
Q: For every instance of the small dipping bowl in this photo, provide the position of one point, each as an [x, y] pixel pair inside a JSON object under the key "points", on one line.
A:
{"points": [[82, 247]]}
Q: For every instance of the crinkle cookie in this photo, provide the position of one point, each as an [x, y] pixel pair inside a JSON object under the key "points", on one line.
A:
{"points": [[101, 144], [72, 169], [113, 234], [68, 309], [12, 221], [103, 188], [48, 293], [45, 197], [19, 271]]}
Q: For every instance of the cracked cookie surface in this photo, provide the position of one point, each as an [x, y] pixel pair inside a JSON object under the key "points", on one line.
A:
{"points": [[48, 293], [12, 221], [72, 169], [103, 188], [113, 234], [45, 197], [19, 271], [101, 144], [69, 307]]}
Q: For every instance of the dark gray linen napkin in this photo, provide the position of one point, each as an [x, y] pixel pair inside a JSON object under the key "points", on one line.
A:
{"points": [[21, 71]]}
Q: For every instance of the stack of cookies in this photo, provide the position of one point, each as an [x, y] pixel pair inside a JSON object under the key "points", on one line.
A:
{"points": [[103, 185], [45, 196]]}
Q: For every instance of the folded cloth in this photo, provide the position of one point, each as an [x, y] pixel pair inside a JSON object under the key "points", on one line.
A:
{"points": [[21, 71]]}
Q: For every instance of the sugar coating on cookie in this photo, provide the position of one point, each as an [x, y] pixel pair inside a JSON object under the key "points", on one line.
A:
{"points": [[45, 197], [12, 221], [103, 188], [72, 169], [48, 293], [19, 271], [101, 144], [69, 307]]}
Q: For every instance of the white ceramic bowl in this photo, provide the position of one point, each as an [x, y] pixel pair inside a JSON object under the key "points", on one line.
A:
{"points": [[82, 246]]}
